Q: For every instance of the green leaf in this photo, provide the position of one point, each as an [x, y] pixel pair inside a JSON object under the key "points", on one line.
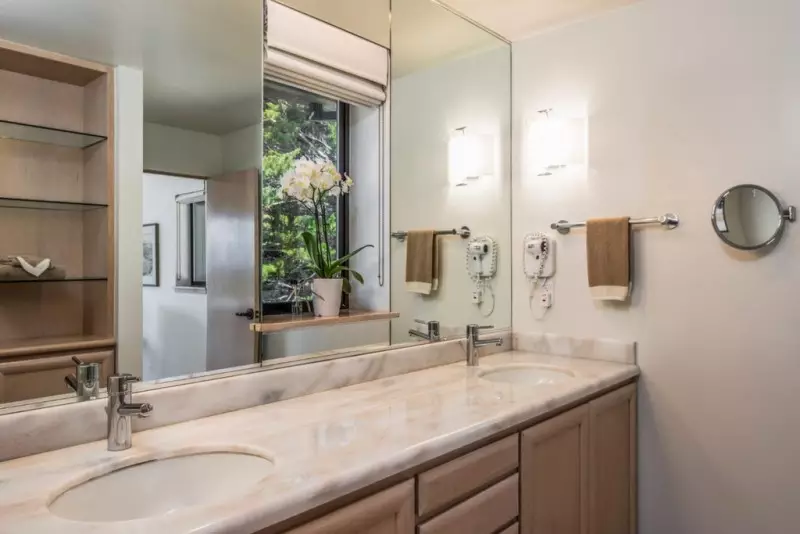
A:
{"points": [[356, 274], [311, 247], [346, 287], [343, 259]]}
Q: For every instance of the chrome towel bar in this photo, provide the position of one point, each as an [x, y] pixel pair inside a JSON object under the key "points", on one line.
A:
{"points": [[670, 220], [464, 232]]}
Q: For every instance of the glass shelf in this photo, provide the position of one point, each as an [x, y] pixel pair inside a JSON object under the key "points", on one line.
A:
{"points": [[47, 135], [31, 204], [52, 280]]}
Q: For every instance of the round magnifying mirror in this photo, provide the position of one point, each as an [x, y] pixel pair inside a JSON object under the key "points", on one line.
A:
{"points": [[749, 217]]}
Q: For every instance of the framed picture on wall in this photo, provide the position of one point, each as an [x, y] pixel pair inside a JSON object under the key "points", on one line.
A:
{"points": [[150, 255]]}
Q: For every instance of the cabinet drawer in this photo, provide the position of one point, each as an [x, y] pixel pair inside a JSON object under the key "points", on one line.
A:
{"points": [[33, 377], [484, 513], [451, 482], [387, 512]]}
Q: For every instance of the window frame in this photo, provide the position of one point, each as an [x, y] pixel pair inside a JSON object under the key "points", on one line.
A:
{"points": [[342, 220], [185, 281]]}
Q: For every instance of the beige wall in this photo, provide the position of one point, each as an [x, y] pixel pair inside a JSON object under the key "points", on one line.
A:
{"points": [[128, 137], [182, 152], [427, 107], [683, 99]]}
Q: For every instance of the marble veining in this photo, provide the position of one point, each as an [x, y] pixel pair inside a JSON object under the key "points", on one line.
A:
{"points": [[596, 349], [37, 431], [324, 445]]}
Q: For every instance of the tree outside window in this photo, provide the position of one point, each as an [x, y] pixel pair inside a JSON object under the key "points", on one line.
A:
{"points": [[297, 125]]}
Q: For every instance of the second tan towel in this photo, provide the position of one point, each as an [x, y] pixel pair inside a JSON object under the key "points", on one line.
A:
{"points": [[422, 262], [608, 256]]}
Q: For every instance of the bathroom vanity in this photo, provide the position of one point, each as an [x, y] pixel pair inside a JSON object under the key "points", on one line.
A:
{"points": [[522, 443], [574, 472]]}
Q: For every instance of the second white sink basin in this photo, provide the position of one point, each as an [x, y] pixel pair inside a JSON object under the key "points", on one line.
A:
{"points": [[527, 374], [159, 487]]}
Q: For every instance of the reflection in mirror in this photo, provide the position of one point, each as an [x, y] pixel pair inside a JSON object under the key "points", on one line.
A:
{"points": [[180, 114], [450, 149], [749, 217], [366, 18], [322, 191]]}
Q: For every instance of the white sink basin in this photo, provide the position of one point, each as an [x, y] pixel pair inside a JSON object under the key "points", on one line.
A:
{"points": [[160, 487], [527, 374]]}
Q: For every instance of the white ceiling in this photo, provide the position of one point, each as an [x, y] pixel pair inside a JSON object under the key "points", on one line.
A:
{"points": [[425, 34], [201, 58], [366, 18], [517, 19]]}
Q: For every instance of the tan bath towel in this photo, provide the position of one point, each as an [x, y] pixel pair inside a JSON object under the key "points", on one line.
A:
{"points": [[422, 262], [608, 256]]}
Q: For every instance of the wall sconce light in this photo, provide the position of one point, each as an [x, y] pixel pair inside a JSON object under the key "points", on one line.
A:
{"points": [[469, 157], [556, 143]]}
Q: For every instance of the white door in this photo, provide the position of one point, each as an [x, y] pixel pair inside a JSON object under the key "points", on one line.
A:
{"points": [[231, 268]]}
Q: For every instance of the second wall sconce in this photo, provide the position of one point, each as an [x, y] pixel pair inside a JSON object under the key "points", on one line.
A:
{"points": [[556, 143], [470, 156]]}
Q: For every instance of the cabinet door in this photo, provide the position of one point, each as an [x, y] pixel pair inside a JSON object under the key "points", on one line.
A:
{"points": [[388, 512], [612, 463], [554, 475], [43, 376]]}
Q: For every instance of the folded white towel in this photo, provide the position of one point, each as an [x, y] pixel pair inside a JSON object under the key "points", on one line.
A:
{"points": [[36, 271]]}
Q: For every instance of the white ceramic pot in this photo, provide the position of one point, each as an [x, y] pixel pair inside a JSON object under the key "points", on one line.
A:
{"points": [[327, 296]]}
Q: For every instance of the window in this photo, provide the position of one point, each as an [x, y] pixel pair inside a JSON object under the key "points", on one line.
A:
{"points": [[191, 234], [297, 125]]}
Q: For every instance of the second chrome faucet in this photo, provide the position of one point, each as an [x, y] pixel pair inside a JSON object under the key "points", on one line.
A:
{"points": [[120, 410], [474, 342]]}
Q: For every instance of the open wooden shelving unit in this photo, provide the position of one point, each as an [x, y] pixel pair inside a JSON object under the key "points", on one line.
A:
{"points": [[56, 201]]}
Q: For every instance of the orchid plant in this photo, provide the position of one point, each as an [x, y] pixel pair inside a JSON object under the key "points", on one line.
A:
{"points": [[311, 183]]}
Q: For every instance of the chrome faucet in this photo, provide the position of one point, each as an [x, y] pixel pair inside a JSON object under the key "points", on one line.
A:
{"points": [[434, 333], [474, 342], [120, 409], [86, 380]]}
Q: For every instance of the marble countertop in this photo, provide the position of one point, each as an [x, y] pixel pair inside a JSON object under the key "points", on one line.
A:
{"points": [[324, 445]]}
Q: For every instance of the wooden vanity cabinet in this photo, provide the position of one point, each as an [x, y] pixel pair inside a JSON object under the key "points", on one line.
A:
{"points": [[612, 463], [555, 475], [578, 469], [574, 473], [388, 512]]}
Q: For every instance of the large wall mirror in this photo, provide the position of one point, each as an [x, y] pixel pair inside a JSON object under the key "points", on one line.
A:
{"points": [[188, 115], [412, 149]]}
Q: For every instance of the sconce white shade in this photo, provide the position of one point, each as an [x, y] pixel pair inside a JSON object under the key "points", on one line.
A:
{"points": [[469, 157], [554, 143]]}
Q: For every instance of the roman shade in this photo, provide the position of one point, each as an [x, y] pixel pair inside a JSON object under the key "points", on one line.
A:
{"points": [[309, 54]]}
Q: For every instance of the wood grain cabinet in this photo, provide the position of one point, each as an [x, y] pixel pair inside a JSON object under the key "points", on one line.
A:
{"points": [[388, 512], [555, 475], [486, 513], [572, 474], [612, 463], [57, 203], [578, 470], [455, 480]]}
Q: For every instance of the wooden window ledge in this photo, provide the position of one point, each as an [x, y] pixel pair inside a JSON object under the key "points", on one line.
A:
{"points": [[282, 323]]}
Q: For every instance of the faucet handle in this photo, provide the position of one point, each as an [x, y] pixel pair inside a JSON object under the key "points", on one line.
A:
{"points": [[487, 327], [421, 321], [119, 383]]}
